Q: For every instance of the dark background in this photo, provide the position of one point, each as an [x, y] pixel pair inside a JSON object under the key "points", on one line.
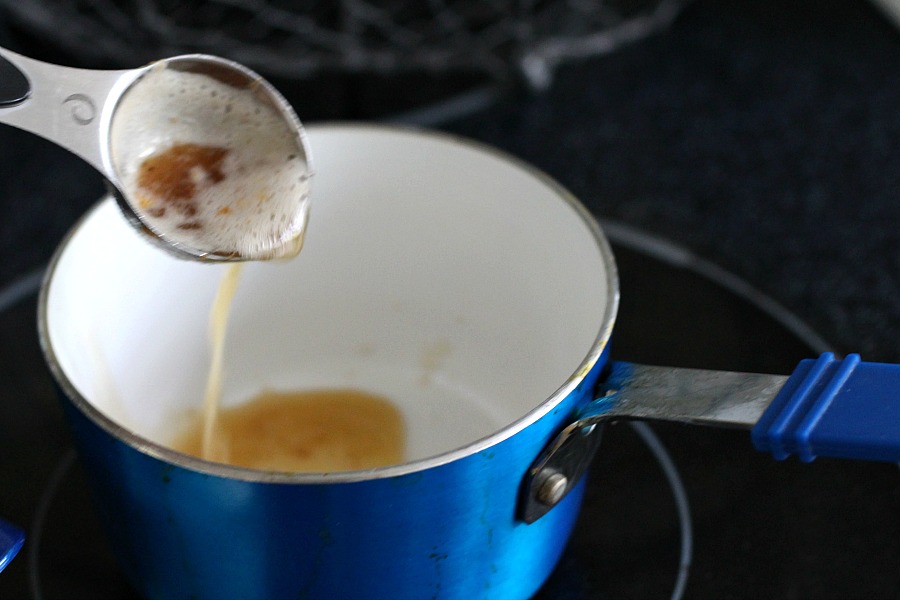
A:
{"points": [[762, 137]]}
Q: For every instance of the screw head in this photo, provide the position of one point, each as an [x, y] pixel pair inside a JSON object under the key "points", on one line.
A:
{"points": [[552, 489]]}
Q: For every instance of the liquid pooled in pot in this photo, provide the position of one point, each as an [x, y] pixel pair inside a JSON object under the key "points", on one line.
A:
{"points": [[314, 431], [321, 430]]}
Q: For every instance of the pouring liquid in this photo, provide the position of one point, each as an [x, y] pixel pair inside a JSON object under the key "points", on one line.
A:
{"points": [[323, 430]]}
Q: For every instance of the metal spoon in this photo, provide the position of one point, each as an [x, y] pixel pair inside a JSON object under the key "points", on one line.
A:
{"points": [[82, 111]]}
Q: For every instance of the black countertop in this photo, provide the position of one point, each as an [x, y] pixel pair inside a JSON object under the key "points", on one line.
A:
{"points": [[762, 137]]}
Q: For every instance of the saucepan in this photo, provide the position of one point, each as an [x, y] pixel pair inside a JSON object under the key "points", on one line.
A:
{"points": [[468, 288]]}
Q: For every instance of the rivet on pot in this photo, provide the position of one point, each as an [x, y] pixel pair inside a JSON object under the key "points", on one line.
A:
{"points": [[553, 489]]}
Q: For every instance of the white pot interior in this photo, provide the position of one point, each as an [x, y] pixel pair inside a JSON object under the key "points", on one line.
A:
{"points": [[460, 284]]}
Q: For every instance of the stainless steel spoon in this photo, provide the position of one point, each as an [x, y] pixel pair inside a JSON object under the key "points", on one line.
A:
{"points": [[78, 109]]}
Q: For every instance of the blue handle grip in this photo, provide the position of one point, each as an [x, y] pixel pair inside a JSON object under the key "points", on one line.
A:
{"points": [[838, 408], [11, 540]]}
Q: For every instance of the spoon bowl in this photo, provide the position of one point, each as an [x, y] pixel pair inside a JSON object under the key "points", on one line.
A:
{"points": [[202, 154]]}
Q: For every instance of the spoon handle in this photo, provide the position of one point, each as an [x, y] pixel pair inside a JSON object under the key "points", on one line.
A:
{"points": [[70, 107]]}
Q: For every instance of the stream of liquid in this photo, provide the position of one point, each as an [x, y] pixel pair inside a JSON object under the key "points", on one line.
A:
{"points": [[318, 430]]}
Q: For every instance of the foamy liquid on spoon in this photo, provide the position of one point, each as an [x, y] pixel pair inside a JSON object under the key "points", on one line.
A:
{"points": [[211, 166]]}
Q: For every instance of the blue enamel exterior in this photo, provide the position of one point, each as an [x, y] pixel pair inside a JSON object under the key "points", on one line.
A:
{"points": [[11, 540], [445, 532]]}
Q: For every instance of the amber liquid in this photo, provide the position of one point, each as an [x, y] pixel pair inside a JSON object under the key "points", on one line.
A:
{"points": [[171, 179], [301, 431], [307, 431]]}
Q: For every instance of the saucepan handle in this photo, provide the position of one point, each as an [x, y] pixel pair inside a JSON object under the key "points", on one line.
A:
{"points": [[842, 408], [11, 540]]}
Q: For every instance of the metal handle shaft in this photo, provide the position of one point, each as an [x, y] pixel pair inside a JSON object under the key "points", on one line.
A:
{"points": [[633, 391]]}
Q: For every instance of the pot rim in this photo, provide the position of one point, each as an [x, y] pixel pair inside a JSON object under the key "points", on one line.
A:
{"points": [[192, 463]]}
